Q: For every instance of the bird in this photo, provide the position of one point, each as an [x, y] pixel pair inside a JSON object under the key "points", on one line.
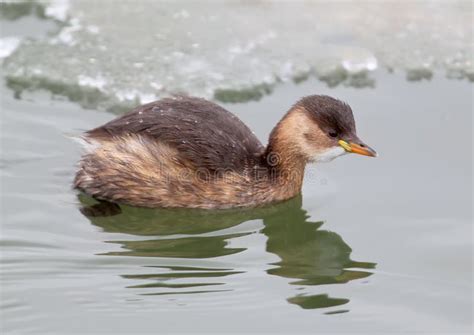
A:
{"points": [[188, 152]]}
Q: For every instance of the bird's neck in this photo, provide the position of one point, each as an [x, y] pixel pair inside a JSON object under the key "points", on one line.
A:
{"points": [[284, 163]]}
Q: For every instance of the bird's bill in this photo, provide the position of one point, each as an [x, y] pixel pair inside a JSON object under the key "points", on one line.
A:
{"points": [[360, 149]]}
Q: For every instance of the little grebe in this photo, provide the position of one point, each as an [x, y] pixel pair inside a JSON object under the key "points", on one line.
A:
{"points": [[190, 152]]}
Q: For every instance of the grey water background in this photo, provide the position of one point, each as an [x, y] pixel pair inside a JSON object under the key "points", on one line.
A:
{"points": [[373, 245]]}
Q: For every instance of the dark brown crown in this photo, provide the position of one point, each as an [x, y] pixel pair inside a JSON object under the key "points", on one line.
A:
{"points": [[331, 115]]}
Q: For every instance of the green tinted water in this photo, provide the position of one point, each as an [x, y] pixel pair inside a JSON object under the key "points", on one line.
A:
{"points": [[372, 245]]}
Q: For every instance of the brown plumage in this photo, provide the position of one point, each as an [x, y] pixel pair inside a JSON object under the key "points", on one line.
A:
{"points": [[189, 152]]}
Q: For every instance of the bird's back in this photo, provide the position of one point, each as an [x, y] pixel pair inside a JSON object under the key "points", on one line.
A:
{"points": [[204, 134]]}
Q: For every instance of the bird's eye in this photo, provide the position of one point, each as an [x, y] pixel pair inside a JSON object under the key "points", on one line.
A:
{"points": [[333, 134]]}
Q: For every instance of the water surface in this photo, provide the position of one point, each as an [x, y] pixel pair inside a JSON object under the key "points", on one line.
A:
{"points": [[372, 245]]}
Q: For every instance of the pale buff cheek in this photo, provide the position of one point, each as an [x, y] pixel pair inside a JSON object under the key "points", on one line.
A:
{"points": [[317, 148], [328, 154]]}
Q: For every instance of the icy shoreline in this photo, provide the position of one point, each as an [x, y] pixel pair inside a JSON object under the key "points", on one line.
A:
{"points": [[133, 52]]}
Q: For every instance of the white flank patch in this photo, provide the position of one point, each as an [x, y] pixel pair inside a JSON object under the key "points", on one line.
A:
{"points": [[329, 154], [87, 144]]}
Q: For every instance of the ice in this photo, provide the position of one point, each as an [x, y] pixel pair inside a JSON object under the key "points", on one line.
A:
{"points": [[136, 51], [97, 82], [57, 9], [8, 45]]}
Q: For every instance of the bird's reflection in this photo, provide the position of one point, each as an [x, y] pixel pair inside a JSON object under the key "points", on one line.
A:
{"points": [[308, 255]]}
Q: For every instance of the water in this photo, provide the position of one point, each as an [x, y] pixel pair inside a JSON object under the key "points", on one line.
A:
{"points": [[373, 245], [385, 243]]}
